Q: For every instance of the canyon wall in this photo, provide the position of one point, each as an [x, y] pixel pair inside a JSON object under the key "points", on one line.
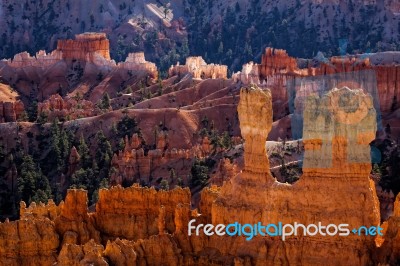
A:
{"points": [[137, 213], [41, 60]]}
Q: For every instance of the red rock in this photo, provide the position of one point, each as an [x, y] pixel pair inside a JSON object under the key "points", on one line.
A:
{"points": [[85, 46], [11, 111]]}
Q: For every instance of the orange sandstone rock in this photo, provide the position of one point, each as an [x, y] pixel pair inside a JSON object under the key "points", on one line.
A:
{"points": [[132, 213], [28, 242], [74, 217], [85, 46], [329, 194]]}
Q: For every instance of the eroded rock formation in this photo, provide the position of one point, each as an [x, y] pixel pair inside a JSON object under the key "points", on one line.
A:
{"points": [[198, 68], [132, 164], [225, 171], [85, 46], [11, 111], [137, 62], [347, 194], [68, 108], [149, 226], [133, 213], [28, 242], [278, 69]]}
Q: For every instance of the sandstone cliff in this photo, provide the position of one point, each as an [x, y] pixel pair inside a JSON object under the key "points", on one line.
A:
{"points": [[28, 242], [133, 213], [85, 46]]}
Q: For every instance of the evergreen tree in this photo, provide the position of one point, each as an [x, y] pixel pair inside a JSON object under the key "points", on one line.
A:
{"points": [[83, 150], [56, 153], [105, 101], [199, 173], [103, 154], [32, 185], [164, 184], [127, 126]]}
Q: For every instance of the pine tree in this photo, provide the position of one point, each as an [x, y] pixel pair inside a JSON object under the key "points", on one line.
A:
{"points": [[129, 90], [172, 174], [103, 154], [105, 101], [164, 184], [32, 184], [83, 150], [56, 152]]}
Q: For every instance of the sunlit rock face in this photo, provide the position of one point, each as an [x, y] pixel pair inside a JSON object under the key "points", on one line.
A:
{"points": [[198, 68], [85, 46], [337, 192]]}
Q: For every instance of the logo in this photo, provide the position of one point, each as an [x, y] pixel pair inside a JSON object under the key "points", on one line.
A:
{"points": [[280, 230]]}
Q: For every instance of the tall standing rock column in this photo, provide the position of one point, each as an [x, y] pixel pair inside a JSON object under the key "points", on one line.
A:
{"points": [[244, 197], [255, 116]]}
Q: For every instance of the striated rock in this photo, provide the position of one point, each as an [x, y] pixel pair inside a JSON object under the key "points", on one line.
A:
{"points": [[198, 68], [85, 46], [278, 69], [49, 210], [11, 111], [156, 250], [276, 61], [388, 252], [74, 217], [40, 60], [133, 165], [88, 254], [28, 242], [386, 199], [255, 118], [162, 140], [133, 213], [208, 196]]}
